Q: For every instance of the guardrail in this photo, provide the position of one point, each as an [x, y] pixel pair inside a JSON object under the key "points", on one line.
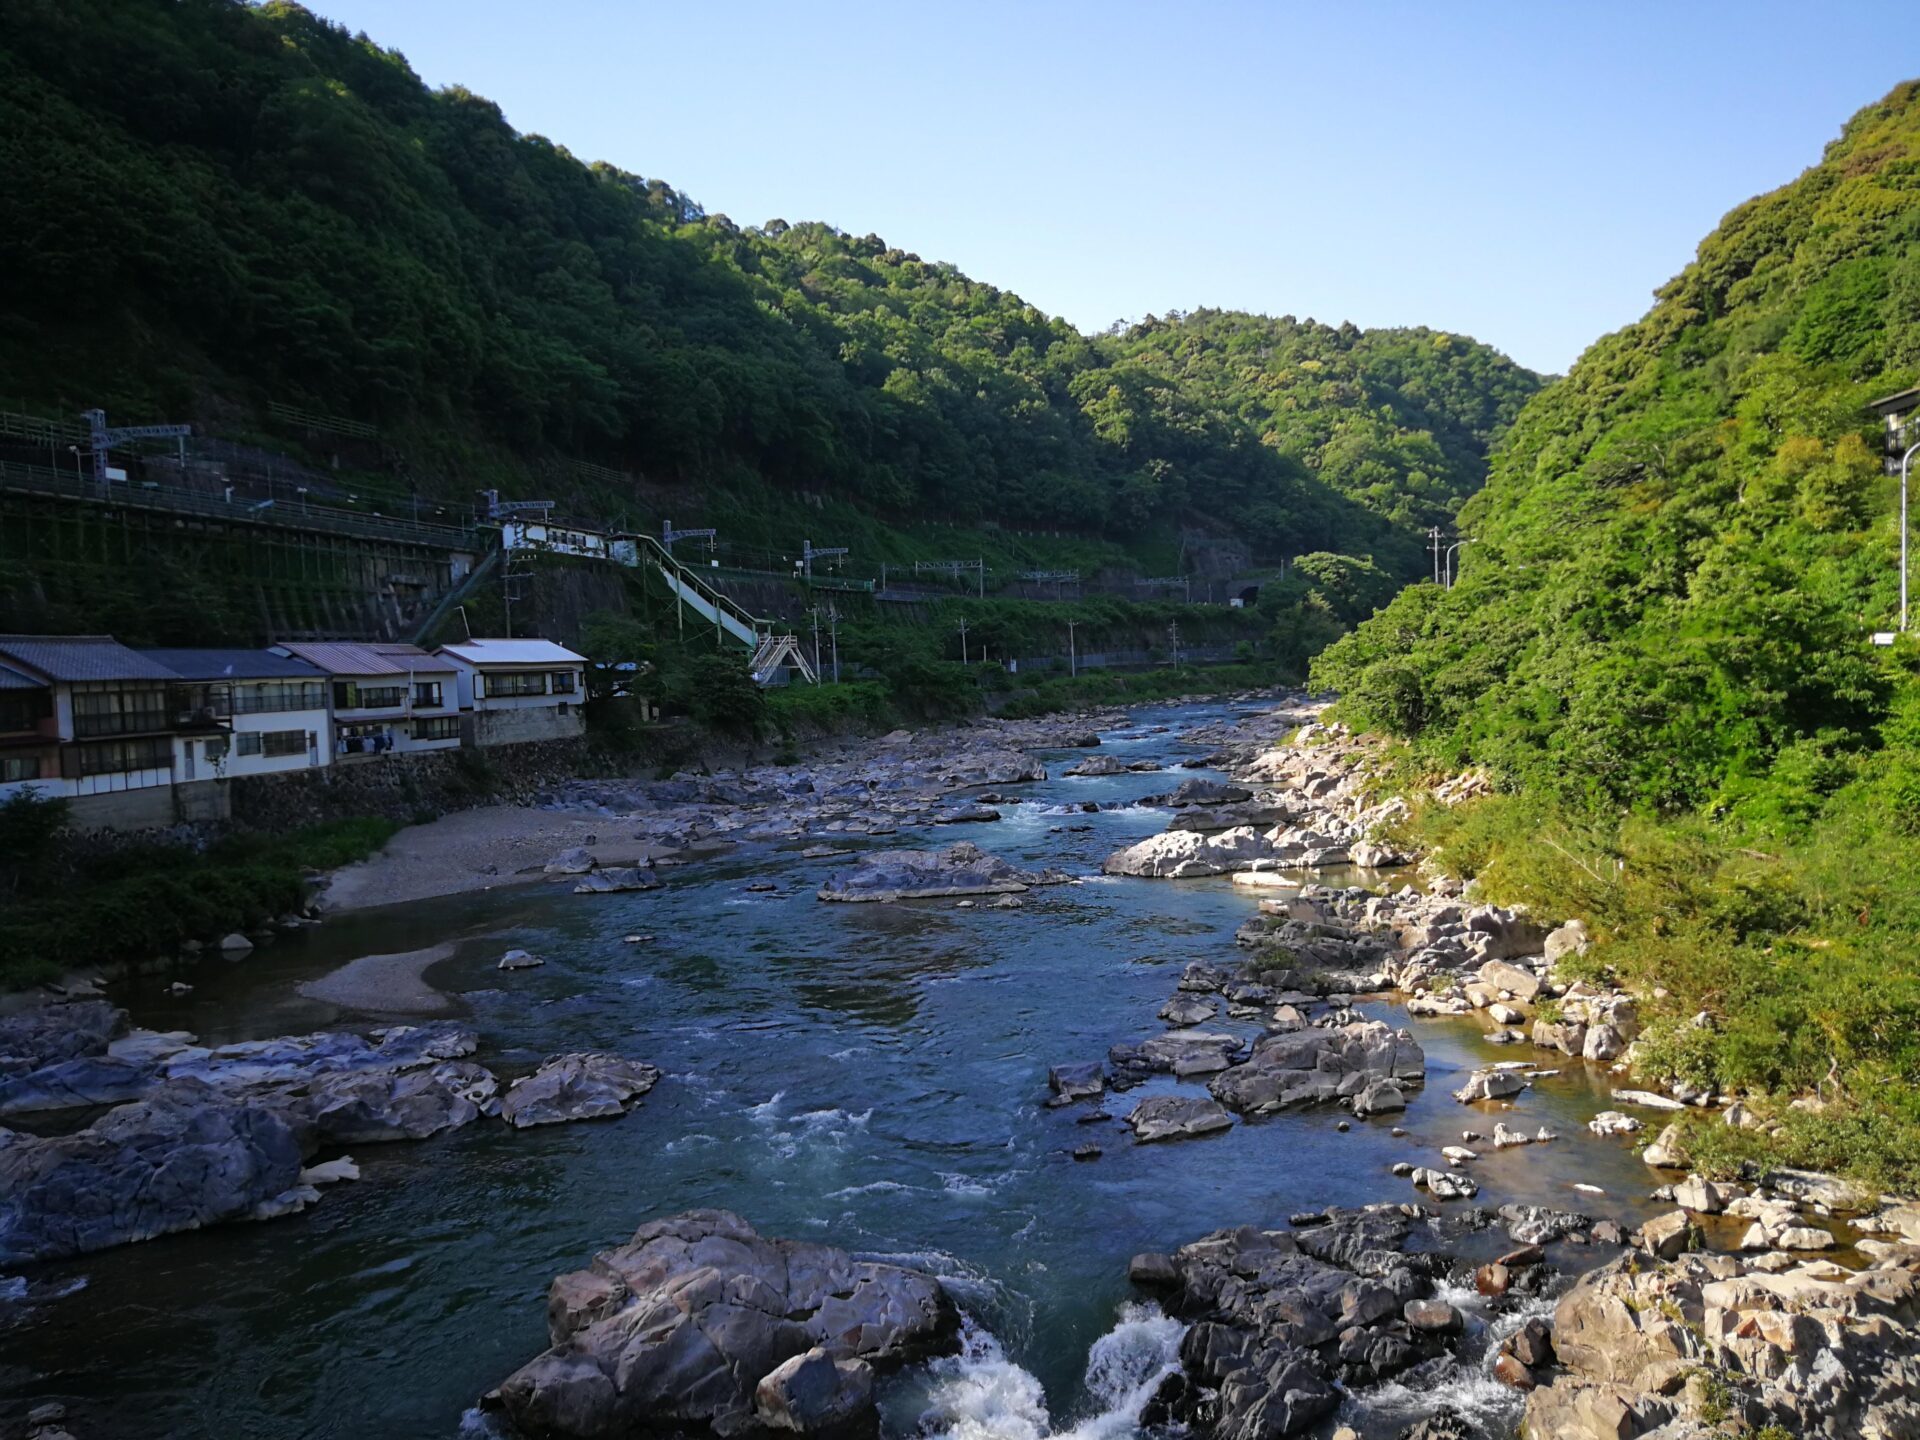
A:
{"points": [[280, 514]]}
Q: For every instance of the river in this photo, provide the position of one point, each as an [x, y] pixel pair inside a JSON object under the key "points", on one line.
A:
{"points": [[869, 1075]]}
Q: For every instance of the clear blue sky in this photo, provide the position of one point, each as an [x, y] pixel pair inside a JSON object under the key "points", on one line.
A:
{"points": [[1526, 173]]}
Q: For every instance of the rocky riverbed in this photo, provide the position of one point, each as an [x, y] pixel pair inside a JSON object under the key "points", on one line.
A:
{"points": [[1292, 1083]]}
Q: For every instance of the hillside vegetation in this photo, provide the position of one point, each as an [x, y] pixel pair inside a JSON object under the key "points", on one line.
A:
{"points": [[217, 204], [1660, 648]]}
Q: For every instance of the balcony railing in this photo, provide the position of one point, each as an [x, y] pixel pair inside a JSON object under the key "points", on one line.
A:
{"points": [[129, 722]]}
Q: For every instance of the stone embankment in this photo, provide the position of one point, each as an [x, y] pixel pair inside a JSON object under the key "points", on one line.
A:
{"points": [[1670, 1339], [203, 1134]]}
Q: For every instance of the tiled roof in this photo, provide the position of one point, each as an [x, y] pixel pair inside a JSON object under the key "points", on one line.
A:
{"points": [[80, 657], [234, 665], [512, 652], [12, 679]]}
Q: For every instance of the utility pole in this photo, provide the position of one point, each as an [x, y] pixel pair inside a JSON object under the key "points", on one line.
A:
{"points": [[1173, 634], [816, 639], [963, 642], [1433, 547], [833, 631], [1073, 657]]}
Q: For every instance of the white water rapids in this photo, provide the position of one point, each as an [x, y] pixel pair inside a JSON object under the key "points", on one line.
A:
{"points": [[980, 1394]]}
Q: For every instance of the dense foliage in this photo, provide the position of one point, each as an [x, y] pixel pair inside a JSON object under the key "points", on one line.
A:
{"points": [[63, 907], [1660, 646], [216, 204], [1685, 543]]}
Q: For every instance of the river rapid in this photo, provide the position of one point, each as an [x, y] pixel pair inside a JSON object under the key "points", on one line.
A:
{"points": [[867, 1075]]}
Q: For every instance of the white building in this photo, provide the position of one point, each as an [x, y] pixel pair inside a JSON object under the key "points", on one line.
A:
{"points": [[273, 708], [86, 719], [518, 690], [384, 697]]}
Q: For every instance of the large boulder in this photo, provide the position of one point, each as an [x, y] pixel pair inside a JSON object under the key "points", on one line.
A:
{"points": [[682, 1328], [184, 1157], [816, 1395], [963, 869], [1180, 854], [585, 1086], [576, 861]]}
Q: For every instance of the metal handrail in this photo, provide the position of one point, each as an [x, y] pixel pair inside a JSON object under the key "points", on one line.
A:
{"points": [[664, 559], [284, 514]]}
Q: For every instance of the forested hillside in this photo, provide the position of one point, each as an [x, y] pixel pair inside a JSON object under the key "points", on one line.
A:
{"points": [[1665, 615], [213, 205]]}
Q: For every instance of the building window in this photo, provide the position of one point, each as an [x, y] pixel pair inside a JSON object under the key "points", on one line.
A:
{"points": [[274, 697], [440, 727], [426, 695], [508, 686], [562, 682], [24, 712], [16, 767], [113, 711], [117, 757], [217, 750], [247, 742], [277, 744], [352, 695]]}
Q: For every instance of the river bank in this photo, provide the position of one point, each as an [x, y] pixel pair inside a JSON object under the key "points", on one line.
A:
{"points": [[870, 1076]]}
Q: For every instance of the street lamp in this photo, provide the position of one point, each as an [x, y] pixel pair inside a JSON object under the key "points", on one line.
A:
{"points": [[1450, 549], [1905, 461]]}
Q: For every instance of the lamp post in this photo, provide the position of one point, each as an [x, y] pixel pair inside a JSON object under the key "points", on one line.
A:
{"points": [[1905, 461], [1450, 552]]}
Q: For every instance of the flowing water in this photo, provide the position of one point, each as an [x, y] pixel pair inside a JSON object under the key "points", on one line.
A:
{"points": [[867, 1075]]}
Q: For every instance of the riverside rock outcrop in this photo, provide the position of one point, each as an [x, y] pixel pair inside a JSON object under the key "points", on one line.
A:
{"points": [[1675, 1348], [1284, 1322], [696, 1325]]}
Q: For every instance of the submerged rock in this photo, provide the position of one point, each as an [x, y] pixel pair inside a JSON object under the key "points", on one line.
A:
{"points": [[616, 879], [963, 869], [696, 1324], [585, 1086]]}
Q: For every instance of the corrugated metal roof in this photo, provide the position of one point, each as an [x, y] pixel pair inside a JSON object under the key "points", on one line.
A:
{"points": [[234, 665], [80, 657], [347, 657], [12, 679], [343, 657], [513, 652], [412, 657], [1899, 400]]}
